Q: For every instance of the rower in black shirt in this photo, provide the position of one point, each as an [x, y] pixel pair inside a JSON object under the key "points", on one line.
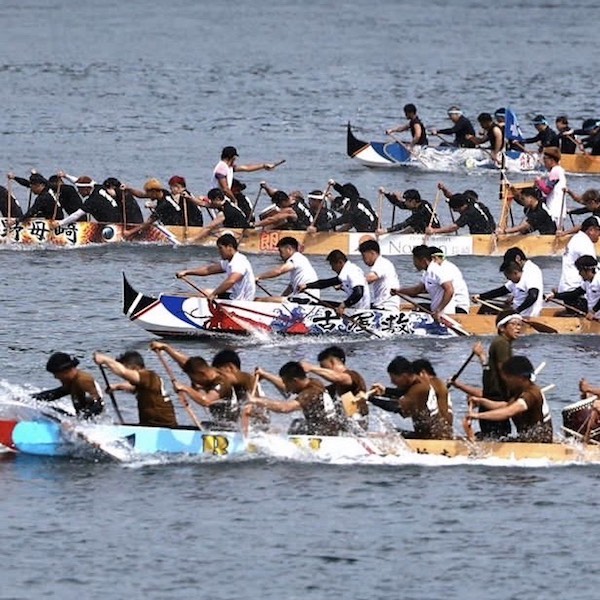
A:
{"points": [[461, 129], [591, 129], [321, 214], [102, 203], [355, 212], [231, 215], [546, 136], [422, 213], [15, 211], [537, 217], [567, 143], [44, 205], [68, 198], [472, 215], [237, 187]]}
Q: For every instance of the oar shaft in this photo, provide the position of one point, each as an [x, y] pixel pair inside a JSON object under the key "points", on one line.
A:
{"points": [[180, 395], [111, 395]]}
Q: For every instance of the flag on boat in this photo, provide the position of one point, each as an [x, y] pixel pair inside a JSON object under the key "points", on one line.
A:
{"points": [[512, 131]]}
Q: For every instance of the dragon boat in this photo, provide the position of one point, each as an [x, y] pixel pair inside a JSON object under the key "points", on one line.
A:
{"points": [[125, 442], [446, 158], [183, 315]]}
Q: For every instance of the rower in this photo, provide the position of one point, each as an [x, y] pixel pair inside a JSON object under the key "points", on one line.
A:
{"points": [[537, 217], [581, 244], [416, 397], [83, 186], [436, 280], [545, 137], [351, 279], [299, 268], [587, 294], [461, 129], [230, 214], [45, 204], [424, 369], [417, 129], [382, 277], [525, 285], [508, 326], [155, 408], [492, 134], [320, 212], [292, 212], [355, 212], [239, 283], [526, 407], [14, 211], [472, 215], [309, 396], [590, 128], [85, 392], [422, 215], [332, 367], [221, 387], [567, 144], [461, 291]]}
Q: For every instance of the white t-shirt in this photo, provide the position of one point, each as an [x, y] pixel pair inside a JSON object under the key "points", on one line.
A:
{"points": [[222, 170], [531, 278], [351, 275], [592, 292], [301, 273], [433, 278], [579, 245], [387, 280], [461, 291], [554, 200], [245, 288]]}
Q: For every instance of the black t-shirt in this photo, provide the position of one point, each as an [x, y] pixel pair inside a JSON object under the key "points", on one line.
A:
{"points": [[103, 207], [539, 219], [170, 212], [69, 199], [461, 129], [419, 219], [234, 216], [476, 219], [15, 209], [44, 207]]}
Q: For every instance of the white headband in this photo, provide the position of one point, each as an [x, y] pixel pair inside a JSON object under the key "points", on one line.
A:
{"points": [[508, 319], [316, 196]]}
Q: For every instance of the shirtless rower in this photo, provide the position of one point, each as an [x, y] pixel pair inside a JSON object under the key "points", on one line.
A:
{"points": [[526, 406], [332, 367], [309, 396], [416, 397], [221, 387]]}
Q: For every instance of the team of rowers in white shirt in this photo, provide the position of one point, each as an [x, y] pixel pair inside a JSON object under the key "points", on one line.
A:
{"points": [[379, 287]]}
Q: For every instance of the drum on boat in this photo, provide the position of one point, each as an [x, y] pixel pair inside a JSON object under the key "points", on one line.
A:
{"points": [[576, 418]]}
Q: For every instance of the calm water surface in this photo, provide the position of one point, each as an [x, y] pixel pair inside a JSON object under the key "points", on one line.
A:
{"points": [[141, 89]]}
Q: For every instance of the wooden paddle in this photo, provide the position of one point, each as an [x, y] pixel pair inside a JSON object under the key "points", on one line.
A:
{"points": [[321, 204], [249, 328], [577, 311], [446, 320], [438, 195], [461, 369], [537, 325], [344, 317], [111, 395], [181, 395]]}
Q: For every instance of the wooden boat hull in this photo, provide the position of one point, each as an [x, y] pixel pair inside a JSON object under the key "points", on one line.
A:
{"points": [[36, 233], [393, 154], [47, 438], [185, 315]]}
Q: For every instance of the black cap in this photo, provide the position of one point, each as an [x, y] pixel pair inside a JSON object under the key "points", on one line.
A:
{"points": [[37, 178], [60, 361], [539, 120], [411, 194], [111, 182], [229, 152], [587, 126]]}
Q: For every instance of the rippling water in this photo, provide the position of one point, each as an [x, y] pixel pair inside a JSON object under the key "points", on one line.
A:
{"points": [[143, 89]]}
